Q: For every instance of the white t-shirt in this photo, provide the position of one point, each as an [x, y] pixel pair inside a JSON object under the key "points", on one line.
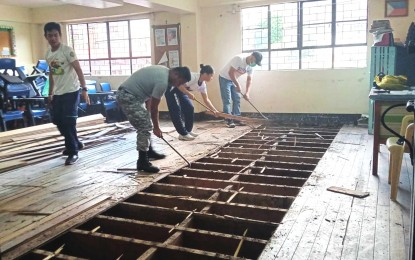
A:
{"points": [[239, 64], [193, 84], [64, 75]]}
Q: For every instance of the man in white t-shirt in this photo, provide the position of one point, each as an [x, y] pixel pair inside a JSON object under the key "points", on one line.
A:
{"points": [[230, 88], [65, 71]]}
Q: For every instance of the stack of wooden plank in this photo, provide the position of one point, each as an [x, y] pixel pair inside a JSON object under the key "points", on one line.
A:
{"points": [[35, 144]]}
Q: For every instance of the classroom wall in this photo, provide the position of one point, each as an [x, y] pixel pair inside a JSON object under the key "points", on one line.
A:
{"points": [[342, 91], [212, 35], [19, 18]]}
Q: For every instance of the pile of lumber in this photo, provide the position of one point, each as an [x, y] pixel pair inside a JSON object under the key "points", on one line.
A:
{"points": [[40, 143]]}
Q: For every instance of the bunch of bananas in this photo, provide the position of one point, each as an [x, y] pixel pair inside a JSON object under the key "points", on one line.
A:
{"points": [[390, 82]]}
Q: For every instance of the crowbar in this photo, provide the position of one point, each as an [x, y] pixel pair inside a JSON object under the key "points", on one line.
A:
{"points": [[188, 163], [256, 109]]}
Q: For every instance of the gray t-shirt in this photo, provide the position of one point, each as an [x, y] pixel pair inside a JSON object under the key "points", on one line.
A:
{"points": [[151, 81]]}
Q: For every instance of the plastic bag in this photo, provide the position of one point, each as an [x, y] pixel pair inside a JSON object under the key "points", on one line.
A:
{"points": [[390, 82]]}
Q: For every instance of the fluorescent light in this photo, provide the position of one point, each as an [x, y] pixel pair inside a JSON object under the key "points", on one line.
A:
{"points": [[95, 3]]}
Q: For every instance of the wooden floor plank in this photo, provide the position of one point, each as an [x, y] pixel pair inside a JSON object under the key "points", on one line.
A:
{"points": [[354, 225], [366, 228], [320, 224], [327, 238], [303, 216], [50, 187]]}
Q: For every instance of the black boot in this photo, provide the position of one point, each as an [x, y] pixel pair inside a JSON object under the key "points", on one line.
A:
{"points": [[143, 164], [154, 155]]}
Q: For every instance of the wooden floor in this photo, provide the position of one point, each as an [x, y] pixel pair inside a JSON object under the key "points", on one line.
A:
{"points": [[325, 225], [43, 200]]}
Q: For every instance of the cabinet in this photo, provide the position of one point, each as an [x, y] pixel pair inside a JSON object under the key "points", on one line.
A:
{"points": [[391, 60]]}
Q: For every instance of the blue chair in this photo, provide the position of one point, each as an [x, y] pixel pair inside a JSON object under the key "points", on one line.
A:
{"points": [[16, 88], [42, 66], [109, 100], [10, 86], [8, 65], [83, 106], [11, 116]]}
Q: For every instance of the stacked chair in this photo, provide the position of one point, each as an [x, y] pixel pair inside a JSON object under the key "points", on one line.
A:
{"points": [[19, 99]]}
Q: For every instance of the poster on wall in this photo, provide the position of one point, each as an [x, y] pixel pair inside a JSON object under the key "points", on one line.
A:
{"points": [[174, 60], [172, 36], [160, 37], [395, 8]]}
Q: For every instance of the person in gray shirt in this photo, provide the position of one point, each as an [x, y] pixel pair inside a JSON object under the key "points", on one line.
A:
{"points": [[139, 97]]}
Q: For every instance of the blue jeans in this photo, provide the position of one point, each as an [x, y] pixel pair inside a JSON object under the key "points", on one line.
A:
{"points": [[64, 113], [181, 110], [228, 93]]}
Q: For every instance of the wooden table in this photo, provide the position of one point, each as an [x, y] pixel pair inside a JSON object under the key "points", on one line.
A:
{"points": [[379, 99]]}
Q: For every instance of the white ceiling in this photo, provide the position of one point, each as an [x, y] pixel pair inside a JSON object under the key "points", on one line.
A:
{"points": [[45, 3], [30, 3]]}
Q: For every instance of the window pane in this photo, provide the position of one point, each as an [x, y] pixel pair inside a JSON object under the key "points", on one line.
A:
{"points": [[322, 33], [350, 57], [317, 35], [100, 67], [140, 63], [348, 10], [120, 46], [316, 58], [140, 37], [79, 40], [255, 28], [98, 38], [264, 62], [284, 25], [285, 60], [85, 66], [120, 67], [316, 12], [351, 32]]}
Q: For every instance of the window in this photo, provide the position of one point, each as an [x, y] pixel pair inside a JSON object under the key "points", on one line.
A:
{"points": [[322, 34], [112, 48]]}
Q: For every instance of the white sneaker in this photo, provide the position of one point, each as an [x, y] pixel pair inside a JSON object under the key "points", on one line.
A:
{"points": [[186, 137], [193, 134]]}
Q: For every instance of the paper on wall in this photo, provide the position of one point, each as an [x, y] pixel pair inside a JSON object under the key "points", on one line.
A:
{"points": [[163, 59]]}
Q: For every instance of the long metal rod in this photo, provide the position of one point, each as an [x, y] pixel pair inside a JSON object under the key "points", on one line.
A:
{"points": [[257, 109], [188, 163]]}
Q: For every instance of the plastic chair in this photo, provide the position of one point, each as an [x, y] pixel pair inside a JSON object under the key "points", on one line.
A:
{"points": [[11, 116], [83, 106], [19, 89], [42, 66], [396, 151], [109, 101]]}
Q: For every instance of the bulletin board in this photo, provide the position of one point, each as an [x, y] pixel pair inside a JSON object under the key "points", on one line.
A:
{"points": [[167, 45]]}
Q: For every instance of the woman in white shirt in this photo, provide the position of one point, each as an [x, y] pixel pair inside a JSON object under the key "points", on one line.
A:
{"points": [[180, 105]]}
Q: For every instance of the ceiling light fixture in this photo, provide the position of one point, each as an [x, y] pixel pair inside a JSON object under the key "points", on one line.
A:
{"points": [[94, 3]]}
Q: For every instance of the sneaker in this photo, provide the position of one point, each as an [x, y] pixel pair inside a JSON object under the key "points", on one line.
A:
{"points": [[81, 146], [187, 137], [230, 125], [193, 134], [239, 123], [72, 159]]}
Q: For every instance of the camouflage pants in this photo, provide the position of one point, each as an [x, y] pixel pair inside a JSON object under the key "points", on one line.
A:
{"points": [[139, 117]]}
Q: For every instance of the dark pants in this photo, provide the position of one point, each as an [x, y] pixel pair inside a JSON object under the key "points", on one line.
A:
{"points": [[64, 114], [181, 110]]}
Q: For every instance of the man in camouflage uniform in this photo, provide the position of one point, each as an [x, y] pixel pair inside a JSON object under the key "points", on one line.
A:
{"points": [[139, 97]]}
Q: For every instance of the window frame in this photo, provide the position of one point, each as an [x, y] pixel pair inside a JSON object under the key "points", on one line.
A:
{"points": [[110, 57], [300, 39]]}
